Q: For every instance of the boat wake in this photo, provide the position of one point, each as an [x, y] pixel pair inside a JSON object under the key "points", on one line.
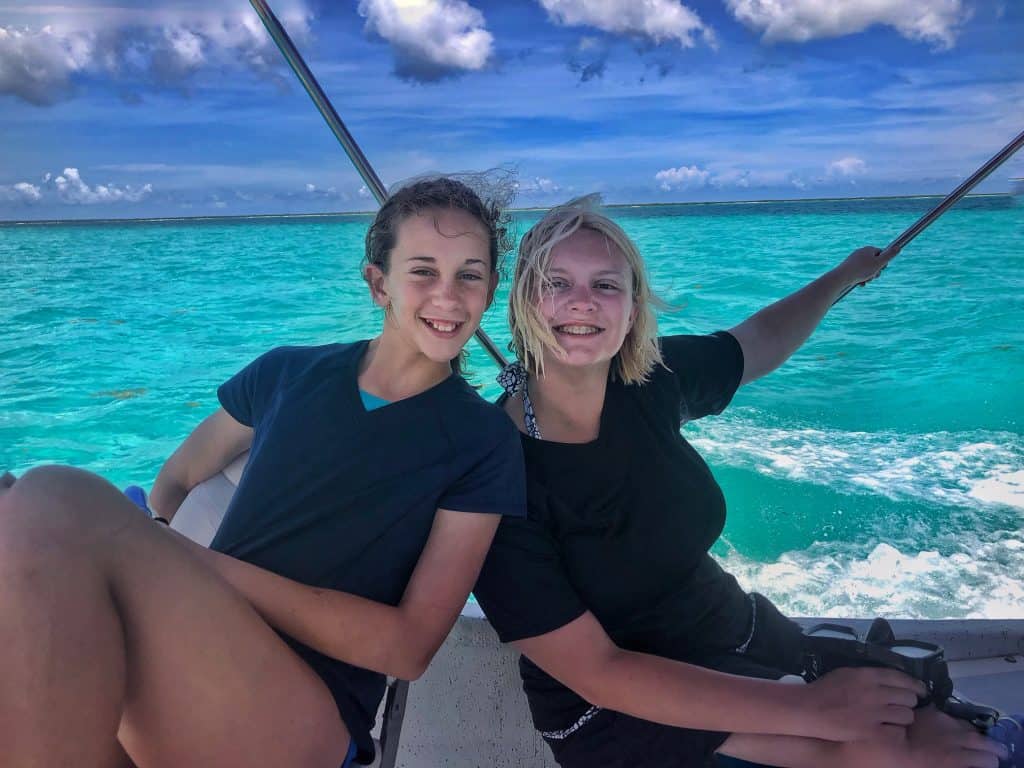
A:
{"points": [[830, 579], [961, 469]]}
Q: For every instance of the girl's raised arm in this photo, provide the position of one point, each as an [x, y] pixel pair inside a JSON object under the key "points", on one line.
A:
{"points": [[770, 336]]}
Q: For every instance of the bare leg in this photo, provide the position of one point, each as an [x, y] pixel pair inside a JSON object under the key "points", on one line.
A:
{"points": [[784, 751], [111, 629], [63, 671]]}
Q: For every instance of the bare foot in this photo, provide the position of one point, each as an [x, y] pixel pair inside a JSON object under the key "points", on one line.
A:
{"points": [[937, 740]]}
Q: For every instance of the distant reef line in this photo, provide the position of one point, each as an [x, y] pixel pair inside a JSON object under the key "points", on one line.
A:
{"points": [[532, 209]]}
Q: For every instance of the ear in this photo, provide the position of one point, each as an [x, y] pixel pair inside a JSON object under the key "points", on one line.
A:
{"points": [[374, 277], [490, 291], [632, 315]]}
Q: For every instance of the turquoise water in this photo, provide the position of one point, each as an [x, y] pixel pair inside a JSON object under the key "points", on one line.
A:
{"points": [[880, 471]]}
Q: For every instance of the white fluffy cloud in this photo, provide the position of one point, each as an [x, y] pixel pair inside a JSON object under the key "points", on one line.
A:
{"points": [[932, 21], [847, 167], [22, 192], [538, 185], [431, 39], [683, 177], [39, 62], [657, 20], [37, 65], [69, 187]]}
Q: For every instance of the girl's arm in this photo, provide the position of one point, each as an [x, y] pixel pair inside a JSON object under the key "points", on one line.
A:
{"points": [[774, 333], [395, 640], [214, 444], [845, 705]]}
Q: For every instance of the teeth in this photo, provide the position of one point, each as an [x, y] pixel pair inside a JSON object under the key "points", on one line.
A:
{"points": [[579, 330], [441, 325]]}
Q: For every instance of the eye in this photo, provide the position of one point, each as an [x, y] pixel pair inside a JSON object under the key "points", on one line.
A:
{"points": [[558, 283], [606, 286], [471, 276], [422, 271]]}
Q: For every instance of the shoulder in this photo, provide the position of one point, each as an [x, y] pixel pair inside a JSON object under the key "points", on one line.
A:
{"points": [[687, 351], [676, 347], [473, 419], [297, 359]]}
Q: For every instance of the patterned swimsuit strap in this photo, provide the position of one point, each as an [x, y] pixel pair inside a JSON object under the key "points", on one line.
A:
{"points": [[513, 379]]}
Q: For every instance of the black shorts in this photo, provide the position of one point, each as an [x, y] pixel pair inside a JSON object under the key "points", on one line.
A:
{"points": [[611, 739]]}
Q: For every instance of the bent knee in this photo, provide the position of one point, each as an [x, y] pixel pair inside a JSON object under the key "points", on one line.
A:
{"points": [[52, 507]]}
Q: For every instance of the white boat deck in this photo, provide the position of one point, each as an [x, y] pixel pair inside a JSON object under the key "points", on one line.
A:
{"points": [[998, 682]]}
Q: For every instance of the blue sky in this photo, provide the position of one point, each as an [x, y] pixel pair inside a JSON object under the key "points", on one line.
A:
{"points": [[132, 109]]}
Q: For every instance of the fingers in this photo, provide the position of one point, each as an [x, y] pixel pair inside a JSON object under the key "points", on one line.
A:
{"points": [[892, 678], [901, 697], [891, 734], [899, 715]]}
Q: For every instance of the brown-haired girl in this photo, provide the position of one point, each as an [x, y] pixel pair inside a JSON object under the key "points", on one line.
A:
{"points": [[375, 482]]}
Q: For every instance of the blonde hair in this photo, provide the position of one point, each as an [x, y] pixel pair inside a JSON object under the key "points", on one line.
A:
{"points": [[531, 336]]}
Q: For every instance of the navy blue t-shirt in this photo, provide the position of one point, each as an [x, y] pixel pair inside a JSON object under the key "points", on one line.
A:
{"points": [[342, 498], [621, 527]]}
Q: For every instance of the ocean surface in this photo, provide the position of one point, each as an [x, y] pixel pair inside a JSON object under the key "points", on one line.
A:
{"points": [[880, 471]]}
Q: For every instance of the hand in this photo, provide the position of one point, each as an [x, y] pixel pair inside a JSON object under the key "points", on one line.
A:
{"points": [[865, 703], [865, 264]]}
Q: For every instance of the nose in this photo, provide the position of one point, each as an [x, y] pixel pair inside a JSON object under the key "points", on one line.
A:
{"points": [[581, 299], [446, 294]]}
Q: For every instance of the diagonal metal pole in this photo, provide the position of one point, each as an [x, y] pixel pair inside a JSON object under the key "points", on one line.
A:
{"points": [[950, 200], [355, 154]]}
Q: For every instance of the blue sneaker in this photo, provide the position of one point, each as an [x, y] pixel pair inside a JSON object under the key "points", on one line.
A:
{"points": [[1009, 731], [138, 497]]}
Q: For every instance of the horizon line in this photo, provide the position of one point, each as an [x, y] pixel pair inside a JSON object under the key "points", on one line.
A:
{"points": [[528, 209]]}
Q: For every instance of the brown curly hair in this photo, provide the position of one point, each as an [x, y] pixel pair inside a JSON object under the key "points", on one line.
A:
{"points": [[423, 194]]}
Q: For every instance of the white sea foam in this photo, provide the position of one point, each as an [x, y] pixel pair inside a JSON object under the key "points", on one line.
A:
{"points": [[832, 580], [964, 469], [1001, 488]]}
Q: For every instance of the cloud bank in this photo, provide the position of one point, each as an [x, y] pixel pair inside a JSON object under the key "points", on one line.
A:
{"points": [[693, 177], [42, 63], [69, 188]]}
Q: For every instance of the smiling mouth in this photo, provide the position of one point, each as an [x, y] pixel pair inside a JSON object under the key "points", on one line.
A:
{"points": [[443, 327], [576, 329]]}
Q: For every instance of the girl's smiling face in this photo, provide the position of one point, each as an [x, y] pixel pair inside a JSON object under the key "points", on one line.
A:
{"points": [[588, 303], [438, 284]]}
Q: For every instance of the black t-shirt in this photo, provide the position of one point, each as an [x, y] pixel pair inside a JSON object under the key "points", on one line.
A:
{"points": [[338, 497], [621, 526]]}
